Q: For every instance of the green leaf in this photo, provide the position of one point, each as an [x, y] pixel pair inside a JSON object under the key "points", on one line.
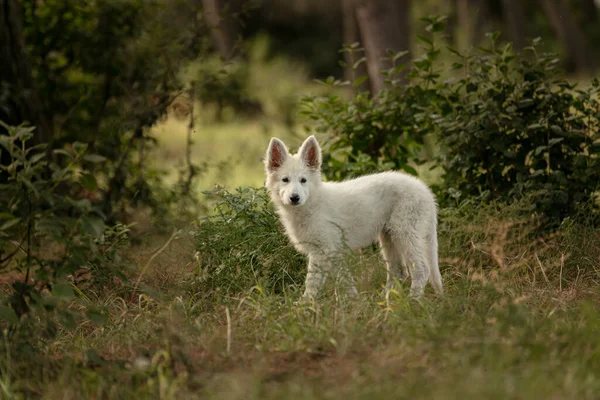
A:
{"points": [[60, 174], [36, 158], [359, 81], [422, 64], [433, 55], [63, 290], [535, 126], [539, 149], [493, 36], [10, 223], [63, 152], [399, 54], [88, 181], [94, 158], [425, 39], [96, 317], [557, 130], [399, 68], [8, 314], [438, 27], [552, 142], [358, 62], [410, 170], [454, 51], [92, 225], [79, 147]]}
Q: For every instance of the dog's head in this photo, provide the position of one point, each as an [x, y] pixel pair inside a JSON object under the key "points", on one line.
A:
{"points": [[292, 177]]}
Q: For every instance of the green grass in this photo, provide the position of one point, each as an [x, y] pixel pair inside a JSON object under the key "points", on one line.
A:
{"points": [[231, 153], [520, 319]]}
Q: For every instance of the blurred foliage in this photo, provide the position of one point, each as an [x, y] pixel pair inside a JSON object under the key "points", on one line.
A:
{"points": [[107, 71], [52, 236]]}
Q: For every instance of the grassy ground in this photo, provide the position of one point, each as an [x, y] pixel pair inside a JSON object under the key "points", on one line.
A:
{"points": [[520, 319]]}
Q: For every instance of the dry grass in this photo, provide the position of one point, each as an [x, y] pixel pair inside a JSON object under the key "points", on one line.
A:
{"points": [[511, 325]]}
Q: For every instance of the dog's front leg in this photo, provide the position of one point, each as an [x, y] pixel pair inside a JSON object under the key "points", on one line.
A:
{"points": [[318, 267]]}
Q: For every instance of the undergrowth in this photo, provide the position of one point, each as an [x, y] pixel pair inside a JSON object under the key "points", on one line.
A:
{"points": [[520, 319]]}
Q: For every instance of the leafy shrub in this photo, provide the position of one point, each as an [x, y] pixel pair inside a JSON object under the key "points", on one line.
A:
{"points": [[107, 72], [509, 126], [246, 234], [516, 128], [50, 231]]}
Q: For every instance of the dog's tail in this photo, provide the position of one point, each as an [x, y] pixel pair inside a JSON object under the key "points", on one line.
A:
{"points": [[435, 277]]}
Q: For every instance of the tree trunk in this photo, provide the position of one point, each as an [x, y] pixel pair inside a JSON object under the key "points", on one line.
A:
{"points": [[351, 36], [515, 22], [590, 11], [22, 102], [577, 49], [473, 17], [384, 25], [222, 26]]}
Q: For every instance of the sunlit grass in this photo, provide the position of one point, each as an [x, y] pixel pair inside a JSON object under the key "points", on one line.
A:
{"points": [[231, 152]]}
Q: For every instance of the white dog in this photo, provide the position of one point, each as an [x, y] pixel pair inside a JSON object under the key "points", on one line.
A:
{"points": [[324, 218]]}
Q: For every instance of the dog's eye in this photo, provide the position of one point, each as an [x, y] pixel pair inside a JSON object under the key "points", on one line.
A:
{"points": [[286, 180], [303, 180]]}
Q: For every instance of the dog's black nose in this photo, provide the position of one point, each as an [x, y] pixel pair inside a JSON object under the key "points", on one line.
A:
{"points": [[295, 199]]}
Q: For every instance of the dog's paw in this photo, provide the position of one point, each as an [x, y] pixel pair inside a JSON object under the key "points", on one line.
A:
{"points": [[415, 298], [304, 300]]}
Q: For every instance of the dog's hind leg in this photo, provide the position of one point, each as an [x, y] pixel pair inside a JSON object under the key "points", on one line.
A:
{"points": [[432, 251], [414, 254], [396, 267]]}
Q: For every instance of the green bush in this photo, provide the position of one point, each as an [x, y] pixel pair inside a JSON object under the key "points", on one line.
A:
{"points": [[508, 126], [518, 128], [51, 233], [243, 245]]}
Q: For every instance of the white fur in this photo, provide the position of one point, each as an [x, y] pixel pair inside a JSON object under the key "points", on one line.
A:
{"points": [[394, 208]]}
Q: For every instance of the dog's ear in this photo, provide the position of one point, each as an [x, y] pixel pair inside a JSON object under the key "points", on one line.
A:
{"points": [[276, 155], [310, 152]]}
